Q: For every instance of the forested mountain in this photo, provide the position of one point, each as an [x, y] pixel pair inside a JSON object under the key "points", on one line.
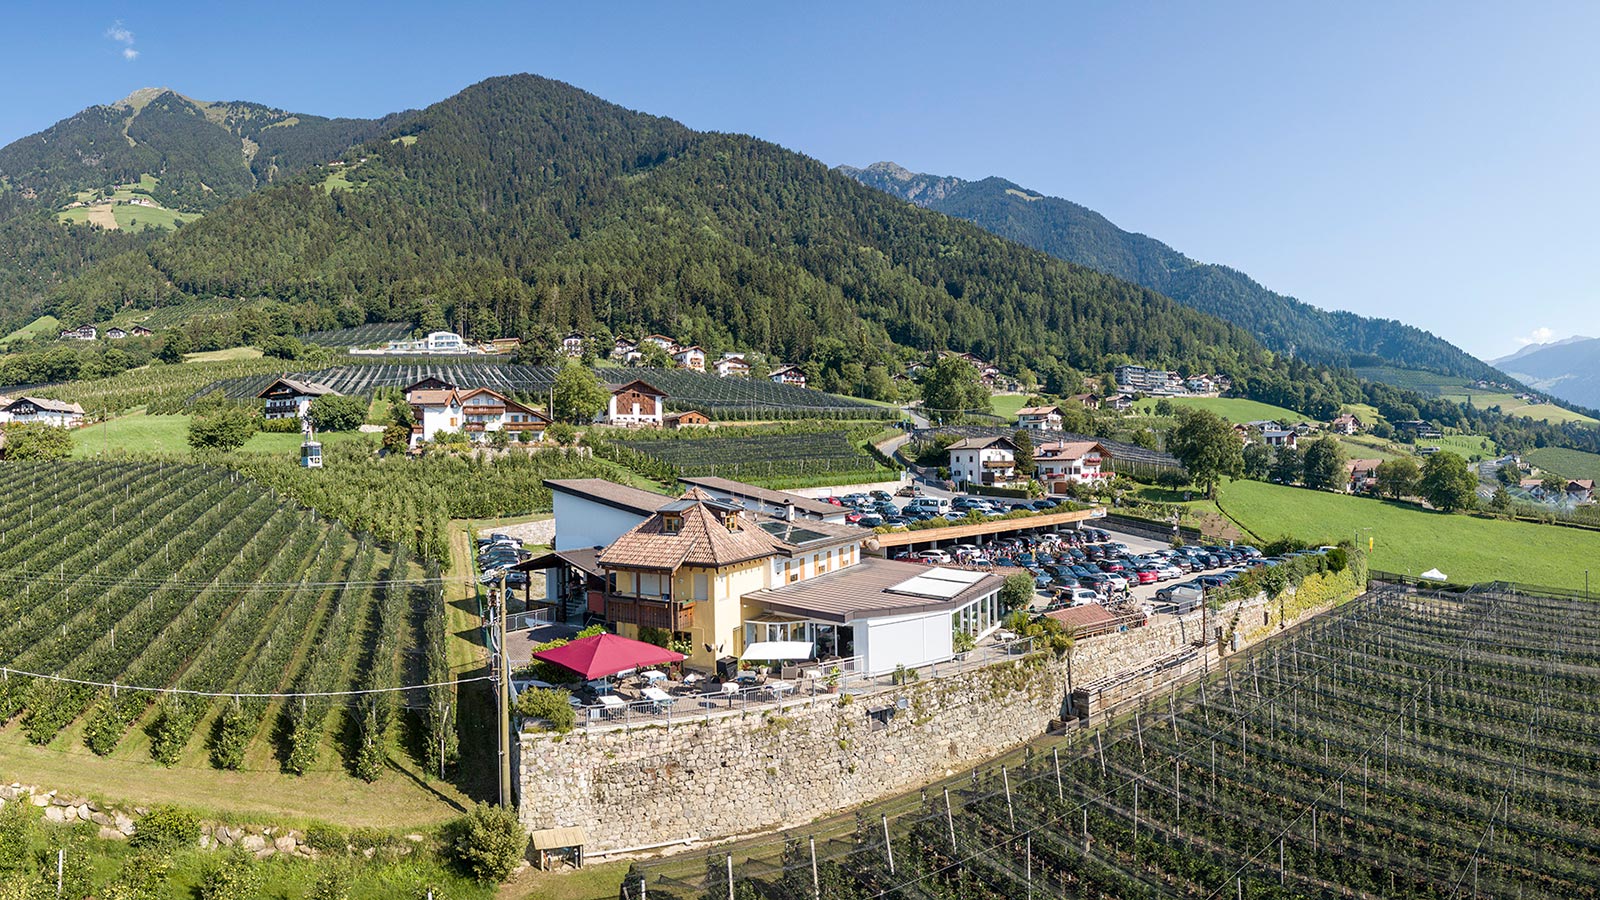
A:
{"points": [[1567, 369], [524, 202], [201, 154], [1081, 235]]}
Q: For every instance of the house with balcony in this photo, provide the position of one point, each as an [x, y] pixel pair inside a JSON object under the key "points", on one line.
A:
{"points": [[985, 460], [1039, 418], [1071, 462], [1363, 475], [572, 344], [788, 374], [1345, 424], [42, 411], [476, 413], [289, 398], [692, 358], [626, 351], [732, 365], [666, 343]]}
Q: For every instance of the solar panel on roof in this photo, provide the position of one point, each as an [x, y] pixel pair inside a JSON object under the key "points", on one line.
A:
{"points": [[931, 588], [791, 534], [960, 576]]}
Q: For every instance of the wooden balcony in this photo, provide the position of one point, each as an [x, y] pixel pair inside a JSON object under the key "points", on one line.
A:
{"points": [[649, 613]]}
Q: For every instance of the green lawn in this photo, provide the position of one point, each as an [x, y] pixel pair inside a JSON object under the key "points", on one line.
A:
{"points": [[44, 325], [1006, 405], [139, 218], [1511, 406], [1233, 409], [1566, 463], [1410, 540], [1473, 447], [143, 434]]}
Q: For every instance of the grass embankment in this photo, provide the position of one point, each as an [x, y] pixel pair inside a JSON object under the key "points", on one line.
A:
{"points": [[223, 355], [1411, 540], [1566, 463], [1006, 405], [44, 326]]}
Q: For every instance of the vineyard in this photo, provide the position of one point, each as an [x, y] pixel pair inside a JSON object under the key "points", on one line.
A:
{"points": [[169, 604], [758, 457], [721, 398], [368, 335], [1403, 746]]}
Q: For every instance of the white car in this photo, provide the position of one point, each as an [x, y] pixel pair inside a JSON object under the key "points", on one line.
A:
{"points": [[1082, 597], [1116, 581], [934, 556], [1169, 571]]}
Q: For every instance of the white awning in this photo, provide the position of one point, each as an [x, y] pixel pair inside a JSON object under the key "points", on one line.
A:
{"points": [[776, 650], [1435, 575]]}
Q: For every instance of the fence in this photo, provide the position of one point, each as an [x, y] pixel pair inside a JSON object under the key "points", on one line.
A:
{"points": [[817, 683]]}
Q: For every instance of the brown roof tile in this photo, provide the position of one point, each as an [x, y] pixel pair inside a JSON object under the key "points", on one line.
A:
{"points": [[701, 540]]}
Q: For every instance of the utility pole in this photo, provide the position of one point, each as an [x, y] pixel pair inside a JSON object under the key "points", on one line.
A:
{"points": [[503, 695]]}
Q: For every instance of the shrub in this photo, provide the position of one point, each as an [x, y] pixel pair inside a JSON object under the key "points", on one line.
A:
{"points": [[327, 838], [17, 825], [487, 843], [288, 425], [335, 412], [232, 877], [166, 828], [549, 705], [333, 882]]}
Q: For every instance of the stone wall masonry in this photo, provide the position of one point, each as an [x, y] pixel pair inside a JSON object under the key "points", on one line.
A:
{"points": [[738, 775]]}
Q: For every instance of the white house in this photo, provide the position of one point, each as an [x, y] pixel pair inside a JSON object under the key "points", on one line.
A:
{"points": [[693, 358], [81, 333], [660, 340], [1039, 418], [288, 398], [572, 344], [787, 374], [637, 403], [435, 342], [1279, 437], [40, 411], [114, 334], [477, 413], [991, 460], [625, 350], [1071, 462], [732, 365]]}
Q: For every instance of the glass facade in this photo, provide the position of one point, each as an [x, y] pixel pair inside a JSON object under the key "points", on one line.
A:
{"points": [[979, 617]]}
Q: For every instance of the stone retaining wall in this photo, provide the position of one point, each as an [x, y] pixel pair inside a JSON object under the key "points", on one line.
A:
{"points": [[738, 775]]}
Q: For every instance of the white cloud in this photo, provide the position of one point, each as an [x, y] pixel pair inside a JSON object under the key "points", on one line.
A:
{"points": [[1539, 336], [121, 35]]}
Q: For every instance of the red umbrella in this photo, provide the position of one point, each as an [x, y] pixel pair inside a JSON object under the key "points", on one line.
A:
{"points": [[606, 654]]}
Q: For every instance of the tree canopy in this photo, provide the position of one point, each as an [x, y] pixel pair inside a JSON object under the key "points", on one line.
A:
{"points": [[1447, 482], [1208, 446]]}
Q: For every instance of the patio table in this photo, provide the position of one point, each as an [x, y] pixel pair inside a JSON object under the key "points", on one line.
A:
{"points": [[779, 688], [612, 703], [651, 676]]}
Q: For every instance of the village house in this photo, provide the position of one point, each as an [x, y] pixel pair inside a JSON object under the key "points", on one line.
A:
{"points": [[1039, 418], [1280, 437], [1345, 424], [732, 583], [626, 351], [114, 334], [732, 365], [788, 374], [692, 358], [1200, 384], [41, 411], [437, 342], [288, 398], [81, 333], [572, 344], [140, 331], [1118, 402], [990, 460], [660, 340], [687, 418], [1087, 401], [635, 404], [1363, 476], [1061, 463], [476, 413]]}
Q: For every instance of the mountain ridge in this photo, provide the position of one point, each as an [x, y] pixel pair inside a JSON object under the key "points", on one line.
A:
{"points": [[1569, 369], [1079, 234]]}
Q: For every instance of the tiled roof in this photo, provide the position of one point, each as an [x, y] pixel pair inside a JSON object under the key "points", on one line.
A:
{"points": [[1067, 449], [52, 405], [1037, 410], [979, 443], [1083, 618], [701, 540], [308, 388]]}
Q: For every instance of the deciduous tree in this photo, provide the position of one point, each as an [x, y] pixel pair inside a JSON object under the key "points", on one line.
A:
{"points": [[1447, 482], [1208, 446]]}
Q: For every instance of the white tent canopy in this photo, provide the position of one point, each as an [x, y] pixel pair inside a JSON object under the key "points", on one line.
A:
{"points": [[778, 650], [1435, 575]]}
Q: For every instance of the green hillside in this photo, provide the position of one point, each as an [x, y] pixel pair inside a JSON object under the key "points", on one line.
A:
{"points": [[1566, 463], [1078, 234]]}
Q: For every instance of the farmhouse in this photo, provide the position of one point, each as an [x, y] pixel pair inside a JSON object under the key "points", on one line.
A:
{"points": [[1071, 462], [1118, 402], [732, 365], [1039, 418], [788, 374], [625, 350], [686, 418], [81, 333], [692, 358], [38, 410], [636, 403], [140, 331], [477, 413], [989, 460], [114, 334], [572, 344], [287, 398], [1363, 475], [660, 340], [1345, 424]]}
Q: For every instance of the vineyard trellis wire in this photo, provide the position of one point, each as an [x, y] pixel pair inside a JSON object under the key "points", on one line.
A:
{"points": [[1357, 755], [170, 593]]}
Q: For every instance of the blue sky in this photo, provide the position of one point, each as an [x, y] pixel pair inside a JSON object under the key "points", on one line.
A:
{"points": [[1426, 162]]}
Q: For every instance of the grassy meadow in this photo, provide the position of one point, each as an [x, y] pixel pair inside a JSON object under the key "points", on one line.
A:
{"points": [[1234, 409], [1411, 540], [1566, 463]]}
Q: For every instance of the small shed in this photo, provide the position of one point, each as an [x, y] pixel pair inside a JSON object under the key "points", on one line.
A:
{"points": [[556, 844]]}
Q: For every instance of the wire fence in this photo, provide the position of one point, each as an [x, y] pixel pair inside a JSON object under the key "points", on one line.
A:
{"points": [[1416, 742]]}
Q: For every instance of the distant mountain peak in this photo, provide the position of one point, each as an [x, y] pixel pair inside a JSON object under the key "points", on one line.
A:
{"points": [[915, 187], [1529, 349], [141, 98]]}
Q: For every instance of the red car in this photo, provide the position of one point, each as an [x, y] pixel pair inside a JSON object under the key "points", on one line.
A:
{"points": [[1145, 576], [852, 517], [833, 500]]}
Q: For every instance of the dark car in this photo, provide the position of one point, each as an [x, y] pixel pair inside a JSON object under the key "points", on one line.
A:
{"points": [[897, 521], [881, 496], [870, 521], [1098, 583], [1042, 504]]}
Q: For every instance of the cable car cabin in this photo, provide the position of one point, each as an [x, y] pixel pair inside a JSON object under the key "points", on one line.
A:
{"points": [[311, 455]]}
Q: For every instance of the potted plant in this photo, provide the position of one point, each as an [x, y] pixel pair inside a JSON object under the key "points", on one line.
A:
{"points": [[831, 683], [962, 642]]}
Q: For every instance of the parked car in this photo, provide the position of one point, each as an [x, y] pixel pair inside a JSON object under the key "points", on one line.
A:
{"points": [[1044, 504], [870, 521], [1147, 575], [880, 496], [853, 517], [934, 556]]}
